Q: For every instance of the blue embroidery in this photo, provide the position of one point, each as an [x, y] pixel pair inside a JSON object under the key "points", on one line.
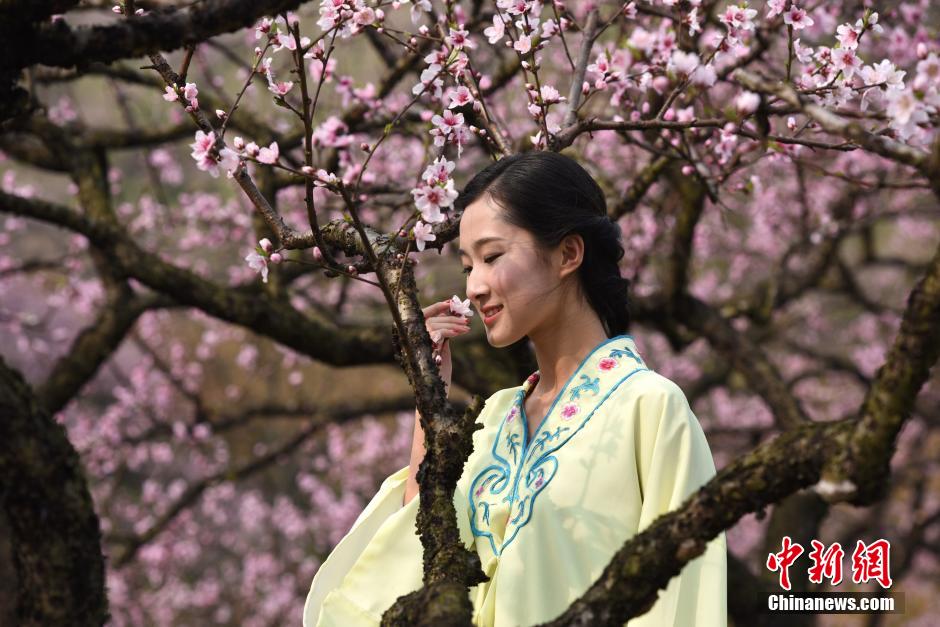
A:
{"points": [[589, 385], [538, 465], [625, 352]]}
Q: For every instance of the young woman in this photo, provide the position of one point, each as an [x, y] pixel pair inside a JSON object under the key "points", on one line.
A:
{"points": [[587, 452]]}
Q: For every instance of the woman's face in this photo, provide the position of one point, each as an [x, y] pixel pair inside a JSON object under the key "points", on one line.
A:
{"points": [[511, 287]]}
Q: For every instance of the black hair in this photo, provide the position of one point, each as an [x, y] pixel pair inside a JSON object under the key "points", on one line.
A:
{"points": [[551, 196]]}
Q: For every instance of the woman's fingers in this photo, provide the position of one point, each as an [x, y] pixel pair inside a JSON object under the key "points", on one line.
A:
{"points": [[436, 309], [434, 326]]}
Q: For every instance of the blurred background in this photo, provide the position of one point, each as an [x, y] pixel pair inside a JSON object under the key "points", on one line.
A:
{"points": [[224, 465]]}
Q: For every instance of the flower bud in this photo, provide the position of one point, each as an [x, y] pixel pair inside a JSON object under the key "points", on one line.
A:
{"points": [[266, 245], [352, 270], [307, 170], [276, 258], [317, 254]]}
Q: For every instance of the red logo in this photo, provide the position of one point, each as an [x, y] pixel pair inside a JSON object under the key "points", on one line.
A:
{"points": [[869, 561], [781, 561], [872, 562]]}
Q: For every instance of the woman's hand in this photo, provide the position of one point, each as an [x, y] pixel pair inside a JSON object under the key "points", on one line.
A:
{"points": [[442, 325]]}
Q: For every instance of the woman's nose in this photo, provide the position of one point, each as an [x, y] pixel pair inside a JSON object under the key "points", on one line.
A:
{"points": [[476, 288]]}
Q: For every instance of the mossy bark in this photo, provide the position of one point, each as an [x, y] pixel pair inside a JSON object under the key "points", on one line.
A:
{"points": [[55, 540]]}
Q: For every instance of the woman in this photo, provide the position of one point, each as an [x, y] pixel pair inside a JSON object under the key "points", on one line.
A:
{"points": [[568, 466]]}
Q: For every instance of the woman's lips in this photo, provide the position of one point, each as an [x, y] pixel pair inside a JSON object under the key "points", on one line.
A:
{"points": [[488, 319]]}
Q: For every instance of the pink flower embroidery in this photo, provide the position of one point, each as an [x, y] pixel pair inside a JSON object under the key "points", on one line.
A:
{"points": [[569, 410], [538, 482], [512, 414], [607, 363]]}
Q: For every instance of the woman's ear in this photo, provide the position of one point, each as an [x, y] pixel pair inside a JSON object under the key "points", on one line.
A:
{"points": [[571, 254]]}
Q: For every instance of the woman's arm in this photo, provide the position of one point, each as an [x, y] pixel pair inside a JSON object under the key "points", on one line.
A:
{"points": [[417, 454]]}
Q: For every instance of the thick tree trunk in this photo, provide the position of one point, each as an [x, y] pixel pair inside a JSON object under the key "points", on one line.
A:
{"points": [[52, 541]]}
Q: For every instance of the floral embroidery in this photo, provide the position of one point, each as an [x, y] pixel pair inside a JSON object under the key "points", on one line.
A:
{"points": [[569, 411], [519, 467]]}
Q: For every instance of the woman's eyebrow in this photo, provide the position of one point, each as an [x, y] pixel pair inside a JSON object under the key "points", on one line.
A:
{"points": [[480, 242]]}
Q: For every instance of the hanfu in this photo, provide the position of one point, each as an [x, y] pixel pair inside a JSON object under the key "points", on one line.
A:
{"points": [[618, 447]]}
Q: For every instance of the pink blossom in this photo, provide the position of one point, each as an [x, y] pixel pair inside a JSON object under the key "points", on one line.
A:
{"points": [[190, 91], [550, 95], [847, 36], [201, 149], [683, 63], [325, 178], [258, 263], [423, 234], [747, 102], [439, 171], [905, 111], [460, 38], [446, 127], [569, 410], [704, 75], [269, 154], [846, 61], [460, 97], [263, 27], [607, 363], [170, 95], [523, 44], [738, 17], [775, 7], [430, 199], [797, 18], [280, 88], [495, 33], [429, 77], [333, 132], [364, 16], [804, 54], [284, 40], [460, 307], [928, 73]]}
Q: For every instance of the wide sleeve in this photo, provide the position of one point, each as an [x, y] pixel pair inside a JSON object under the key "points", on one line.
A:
{"points": [[673, 461], [386, 502], [380, 559]]}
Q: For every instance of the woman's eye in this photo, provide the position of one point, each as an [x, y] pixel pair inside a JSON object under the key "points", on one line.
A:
{"points": [[489, 259]]}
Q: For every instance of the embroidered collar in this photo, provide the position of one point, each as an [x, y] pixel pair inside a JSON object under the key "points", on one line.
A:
{"points": [[502, 495]]}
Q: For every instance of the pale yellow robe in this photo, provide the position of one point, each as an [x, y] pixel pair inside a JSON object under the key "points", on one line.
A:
{"points": [[619, 447]]}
